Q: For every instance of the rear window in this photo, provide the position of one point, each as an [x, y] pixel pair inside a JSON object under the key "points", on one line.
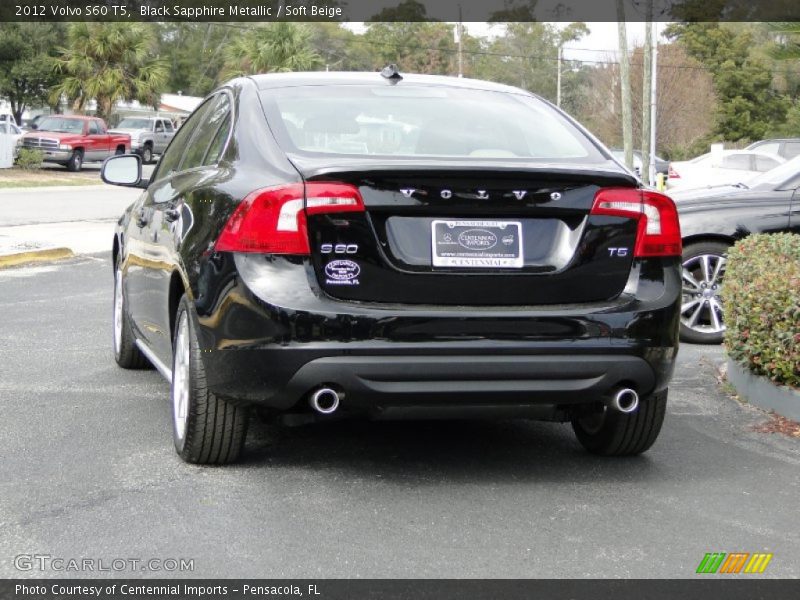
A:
{"points": [[737, 161], [765, 163], [769, 147], [134, 123], [414, 121], [791, 149]]}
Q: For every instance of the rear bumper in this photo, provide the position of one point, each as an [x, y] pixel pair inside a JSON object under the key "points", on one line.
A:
{"points": [[410, 380], [274, 353]]}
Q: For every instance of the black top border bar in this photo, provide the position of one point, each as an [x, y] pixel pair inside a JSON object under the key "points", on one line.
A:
{"points": [[398, 10]]}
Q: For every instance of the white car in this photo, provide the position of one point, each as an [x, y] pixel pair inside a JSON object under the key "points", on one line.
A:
{"points": [[737, 166], [9, 128]]}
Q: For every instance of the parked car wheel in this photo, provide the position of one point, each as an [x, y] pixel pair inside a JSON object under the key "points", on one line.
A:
{"points": [[701, 308], [206, 428], [126, 352], [147, 154], [75, 163], [120, 150], [612, 433]]}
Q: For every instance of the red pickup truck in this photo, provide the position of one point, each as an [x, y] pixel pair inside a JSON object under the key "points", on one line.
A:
{"points": [[70, 140]]}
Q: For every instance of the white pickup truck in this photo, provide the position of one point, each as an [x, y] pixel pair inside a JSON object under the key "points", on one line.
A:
{"points": [[149, 135]]}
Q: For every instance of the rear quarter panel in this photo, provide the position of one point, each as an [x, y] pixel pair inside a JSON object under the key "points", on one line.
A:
{"points": [[734, 219]]}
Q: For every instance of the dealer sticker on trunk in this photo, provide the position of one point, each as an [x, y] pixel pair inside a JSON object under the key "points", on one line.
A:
{"points": [[477, 244], [342, 272]]}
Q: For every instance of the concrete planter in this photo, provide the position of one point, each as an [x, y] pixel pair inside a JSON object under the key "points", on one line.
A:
{"points": [[760, 391]]}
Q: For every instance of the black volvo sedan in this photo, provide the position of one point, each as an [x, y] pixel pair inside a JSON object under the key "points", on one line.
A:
{"points": [[314, 244], [714, 218]]}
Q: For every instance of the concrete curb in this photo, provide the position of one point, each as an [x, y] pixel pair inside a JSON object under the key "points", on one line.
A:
{"points": [[762, 392], [33, 256]]}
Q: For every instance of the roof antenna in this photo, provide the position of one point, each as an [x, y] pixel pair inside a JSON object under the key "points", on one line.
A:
{"points": [[391, 73]]}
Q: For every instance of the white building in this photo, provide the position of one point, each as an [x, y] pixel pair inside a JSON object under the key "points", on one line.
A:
{"points": [[175, 106]]}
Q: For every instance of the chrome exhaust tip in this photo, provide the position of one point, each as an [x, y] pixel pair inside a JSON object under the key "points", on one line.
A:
{"points": [[624, 400], [325, 400]]}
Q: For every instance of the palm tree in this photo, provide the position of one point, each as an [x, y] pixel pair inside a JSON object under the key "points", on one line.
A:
{"points": [[274, 48], [109, 62]]}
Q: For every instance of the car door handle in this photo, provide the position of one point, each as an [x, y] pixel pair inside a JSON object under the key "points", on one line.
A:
{"points": [[172, 214]]}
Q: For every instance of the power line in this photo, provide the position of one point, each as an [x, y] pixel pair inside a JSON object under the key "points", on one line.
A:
{"points": [[554, 59]]}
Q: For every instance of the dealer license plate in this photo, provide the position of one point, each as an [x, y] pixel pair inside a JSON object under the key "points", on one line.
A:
{"points": [[477, 244]]}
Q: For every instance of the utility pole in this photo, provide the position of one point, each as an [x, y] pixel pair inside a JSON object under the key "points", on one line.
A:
{"points": [[646, 87], [558, 77], [625, 85], [653, 112]]}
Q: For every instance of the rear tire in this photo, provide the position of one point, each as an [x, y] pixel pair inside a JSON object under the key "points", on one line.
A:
{"points": [[147, 154], [611, 433], [206, 429], [126, 352], [702, 321], [75, 163]]}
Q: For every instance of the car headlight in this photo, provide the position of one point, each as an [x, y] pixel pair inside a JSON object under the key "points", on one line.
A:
{"points": [[64, 147]]}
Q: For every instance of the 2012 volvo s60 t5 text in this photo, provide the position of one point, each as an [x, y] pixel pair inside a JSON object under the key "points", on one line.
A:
{"points": [[318, 244]]}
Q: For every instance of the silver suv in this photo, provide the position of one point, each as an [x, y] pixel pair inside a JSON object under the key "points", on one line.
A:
{"points": [[149, 135]]}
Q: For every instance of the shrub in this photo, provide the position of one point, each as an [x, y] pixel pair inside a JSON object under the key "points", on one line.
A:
{"points": [[761, 299], [30, 159]]}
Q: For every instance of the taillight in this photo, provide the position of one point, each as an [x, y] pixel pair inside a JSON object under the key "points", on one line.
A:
{"points": [[273, 220], [659, 231], [672, 173]]}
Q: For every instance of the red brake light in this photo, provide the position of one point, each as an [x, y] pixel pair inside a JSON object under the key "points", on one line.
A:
{"points": [[659, 232], [273, 220]]}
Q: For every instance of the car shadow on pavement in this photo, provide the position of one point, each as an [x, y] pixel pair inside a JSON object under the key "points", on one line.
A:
{"points": [[456, 451]]}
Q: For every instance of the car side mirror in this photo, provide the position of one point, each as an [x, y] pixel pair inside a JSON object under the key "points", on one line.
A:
{"points": [[124, 170], [34, 126]]}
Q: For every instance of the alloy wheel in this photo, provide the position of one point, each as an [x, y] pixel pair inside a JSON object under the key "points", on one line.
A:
{"points": [[118, 311], [181, 378], [701, 307]]}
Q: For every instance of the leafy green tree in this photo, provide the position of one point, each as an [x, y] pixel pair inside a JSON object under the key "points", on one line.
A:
{"points": [[527, 56], [515, 10], [109, 62], [27, 53], [790, 127], [748, 107], [339, 48], [194, 53], [414, 46], [405, 11], [274, 48]]}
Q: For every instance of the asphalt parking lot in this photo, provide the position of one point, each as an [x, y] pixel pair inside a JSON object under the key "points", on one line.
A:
{"points": [[89, 471]]}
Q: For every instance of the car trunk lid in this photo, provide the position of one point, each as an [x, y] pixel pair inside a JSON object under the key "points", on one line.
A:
{"points": [[467, 234]]}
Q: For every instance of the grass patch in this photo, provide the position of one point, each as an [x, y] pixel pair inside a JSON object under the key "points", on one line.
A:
{"points": [[16, 177]]}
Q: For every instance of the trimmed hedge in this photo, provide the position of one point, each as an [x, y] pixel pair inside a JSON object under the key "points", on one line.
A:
{"points": [[761, 300]]}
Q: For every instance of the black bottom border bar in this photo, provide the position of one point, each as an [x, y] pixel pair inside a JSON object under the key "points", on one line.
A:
{"points": [[703, 588]]}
